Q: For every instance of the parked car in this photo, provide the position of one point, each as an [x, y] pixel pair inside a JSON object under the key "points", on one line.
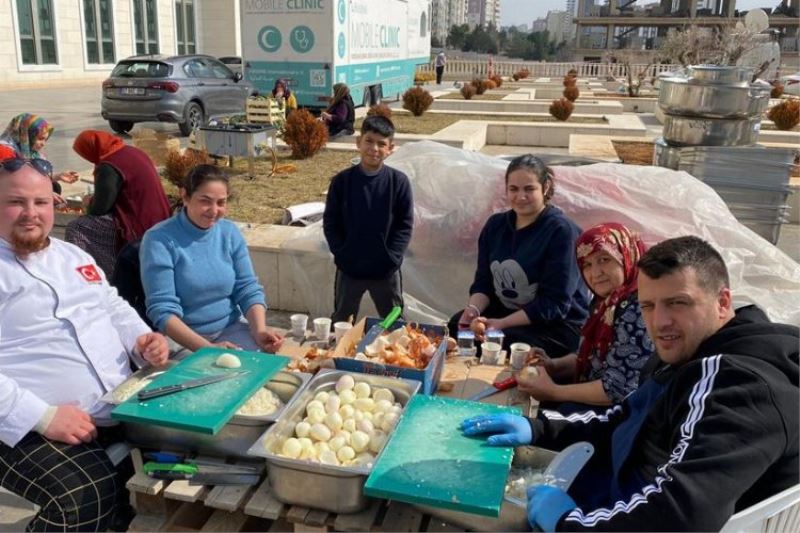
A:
{"points": [[232, 62], [181, 89]]}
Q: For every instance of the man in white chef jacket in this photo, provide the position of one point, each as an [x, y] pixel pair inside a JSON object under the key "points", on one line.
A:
{"points": [[66, 338]]}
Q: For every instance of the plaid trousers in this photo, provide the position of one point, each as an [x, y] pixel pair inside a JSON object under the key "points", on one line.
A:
{"points": [[76, 487]]}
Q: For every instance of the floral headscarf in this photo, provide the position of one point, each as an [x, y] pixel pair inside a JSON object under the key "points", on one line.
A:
{"points": [[22, 132], [598, 332]]}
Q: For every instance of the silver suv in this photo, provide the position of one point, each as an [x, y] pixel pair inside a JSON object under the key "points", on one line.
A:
{"points": [[182, 89]]}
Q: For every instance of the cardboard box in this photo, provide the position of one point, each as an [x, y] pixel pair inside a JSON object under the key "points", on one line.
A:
{"points": [[429, 377]]}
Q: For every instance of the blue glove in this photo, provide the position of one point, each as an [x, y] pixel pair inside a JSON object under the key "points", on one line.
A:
{"points": [[512, 430], [546, 506]]}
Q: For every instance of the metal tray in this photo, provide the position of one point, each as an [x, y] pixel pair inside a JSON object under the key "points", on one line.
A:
{"points": [[513, 516], [693, 131], [234, 439], [338, 489], [147, 373]]}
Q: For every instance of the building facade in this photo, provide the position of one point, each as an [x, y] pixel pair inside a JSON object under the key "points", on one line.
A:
{"points": [[444, 15], [617, 24], [483, 13], [79, 41], [558, 25]]}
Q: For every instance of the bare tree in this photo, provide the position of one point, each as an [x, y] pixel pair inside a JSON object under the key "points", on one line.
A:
{"points": [[635, 74]]}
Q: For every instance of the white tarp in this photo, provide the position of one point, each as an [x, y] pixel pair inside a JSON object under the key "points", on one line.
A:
{"points": [[455, 191]]}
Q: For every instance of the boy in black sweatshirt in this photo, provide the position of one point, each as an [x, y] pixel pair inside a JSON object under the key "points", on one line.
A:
{"points": [[368, 219]]}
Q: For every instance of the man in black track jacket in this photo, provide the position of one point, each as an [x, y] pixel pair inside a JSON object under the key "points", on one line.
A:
{"points": [[713, 431]]}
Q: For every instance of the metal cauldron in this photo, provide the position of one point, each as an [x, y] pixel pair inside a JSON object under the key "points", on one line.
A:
{"points": [[698, 131], [680, 96]]}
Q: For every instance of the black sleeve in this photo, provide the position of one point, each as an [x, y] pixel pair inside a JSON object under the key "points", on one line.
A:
{"points": [[332, 217], [107, 185], [402, 220], [554, 431], [483, 282], [725, 433]]}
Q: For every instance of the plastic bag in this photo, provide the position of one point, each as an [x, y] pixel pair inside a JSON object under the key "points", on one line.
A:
{"points": [[455, 191]]}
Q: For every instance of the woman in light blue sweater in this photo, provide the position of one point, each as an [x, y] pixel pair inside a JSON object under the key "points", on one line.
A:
{"points": [[197, 275]]}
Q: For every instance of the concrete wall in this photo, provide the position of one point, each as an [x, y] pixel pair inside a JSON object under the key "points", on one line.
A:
{"points": [[219, 31]]}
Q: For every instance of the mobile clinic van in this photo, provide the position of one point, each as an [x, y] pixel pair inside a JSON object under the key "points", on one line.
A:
{"points": [[373, 46]]}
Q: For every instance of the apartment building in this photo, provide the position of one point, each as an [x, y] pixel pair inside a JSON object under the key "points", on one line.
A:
{"points": [[558, 24], [445, 14], [640, 26], [78, 41], [483, 13]]}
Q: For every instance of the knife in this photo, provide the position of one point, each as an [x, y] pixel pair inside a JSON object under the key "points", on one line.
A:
{"points": [[496, 387], [190, 384], [377, 329]]}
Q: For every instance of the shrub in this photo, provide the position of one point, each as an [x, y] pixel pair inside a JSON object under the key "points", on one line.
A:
{"points": [[785, 115], [498, 81], [515, 76], [490, 84], [177, 165], [573, 73], [777, 90], [424, 76], [468, 91], [561, 109], [571, 93], [304, 134], [570, 81], [480, 85], [417, 100], [524, 73], [381, 110]]}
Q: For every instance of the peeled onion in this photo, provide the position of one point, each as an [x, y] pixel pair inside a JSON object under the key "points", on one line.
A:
{"points": [[346, 382], [292, 448], [359, 441], [362, 390], [347, 396], [302, 429], [320, 432], [345, 453]]}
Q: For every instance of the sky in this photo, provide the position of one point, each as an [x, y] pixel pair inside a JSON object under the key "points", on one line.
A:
{"points": [[526, 11]]}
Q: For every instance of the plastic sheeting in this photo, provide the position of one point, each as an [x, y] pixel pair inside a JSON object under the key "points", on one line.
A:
{"points": [[455, 191]]}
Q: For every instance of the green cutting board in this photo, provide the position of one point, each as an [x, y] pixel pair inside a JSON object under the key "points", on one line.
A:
{"points": [[429, 461], [202, 409]]}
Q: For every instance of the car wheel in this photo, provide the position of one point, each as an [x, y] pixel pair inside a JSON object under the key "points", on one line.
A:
{"points": [[193, 118], [121, 126]]}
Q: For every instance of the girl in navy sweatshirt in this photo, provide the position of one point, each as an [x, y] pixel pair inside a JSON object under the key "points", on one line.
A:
{"points": [[527, 282]]}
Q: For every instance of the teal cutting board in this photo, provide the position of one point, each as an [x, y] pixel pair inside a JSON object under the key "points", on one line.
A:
{"points": [[429, 461], [203, 409]]}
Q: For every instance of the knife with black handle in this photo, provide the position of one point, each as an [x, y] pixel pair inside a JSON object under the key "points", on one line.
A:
{"points": [[190, 384]]}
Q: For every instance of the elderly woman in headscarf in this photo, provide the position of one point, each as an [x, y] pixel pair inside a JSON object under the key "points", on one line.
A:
{"points": [[26, 134], [340, 114], [614, 344], [281, 91], [128, 197]]}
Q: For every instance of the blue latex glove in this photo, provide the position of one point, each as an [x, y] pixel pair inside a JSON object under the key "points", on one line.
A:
{"points": [[546, 506], [512, 430]]}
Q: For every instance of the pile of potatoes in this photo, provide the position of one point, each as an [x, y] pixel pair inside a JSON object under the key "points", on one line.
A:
{"points": [[347, 426]]}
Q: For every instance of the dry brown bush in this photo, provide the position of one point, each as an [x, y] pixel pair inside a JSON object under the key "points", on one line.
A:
{"points": [[561, 109], [490, 84], [417, 100], [381, 110], [571, 93], [468, 91], [777, 90], [785, 115], [177, 165], [304, 134]]}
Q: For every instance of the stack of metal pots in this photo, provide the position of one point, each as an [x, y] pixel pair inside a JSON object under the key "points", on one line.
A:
{"points": [[712, 117]]}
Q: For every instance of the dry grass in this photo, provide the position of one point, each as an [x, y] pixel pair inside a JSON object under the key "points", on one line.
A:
{"points": [[262, 200], [634, 153], [433, 122], [484, 96]]}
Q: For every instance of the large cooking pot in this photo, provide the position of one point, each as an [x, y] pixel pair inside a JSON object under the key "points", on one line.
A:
{"points": [[665, 155], [720, 74], [696, 131], [681, 96]]}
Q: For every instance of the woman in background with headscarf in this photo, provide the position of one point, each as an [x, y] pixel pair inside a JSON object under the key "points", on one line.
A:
{"points": [[27, 134], [614, 343], [341, 113], [281, 91], [128, 197]]}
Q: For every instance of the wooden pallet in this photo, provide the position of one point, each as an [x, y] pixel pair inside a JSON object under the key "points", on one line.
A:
{"points": [[265, 111], [178, 506]]}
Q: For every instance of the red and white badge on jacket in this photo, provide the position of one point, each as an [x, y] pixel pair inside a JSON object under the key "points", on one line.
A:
{"points": [[89, 273]]}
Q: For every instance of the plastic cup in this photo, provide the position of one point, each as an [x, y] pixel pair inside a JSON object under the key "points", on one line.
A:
{"points": [[490, 353], [340, 328], [299, 325], [495, 335], [519, 354], [322, 328]]}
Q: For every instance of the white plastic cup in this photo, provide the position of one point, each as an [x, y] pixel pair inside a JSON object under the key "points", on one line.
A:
{"points": [[519, 354], [490, 353], [322, 328], [340, 328], [299, 325]]}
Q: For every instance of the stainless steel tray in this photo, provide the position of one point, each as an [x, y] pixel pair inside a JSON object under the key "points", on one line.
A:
{"points": [[694, 131], [235, 437], [513, 516], [147, 373], [338, 489]]}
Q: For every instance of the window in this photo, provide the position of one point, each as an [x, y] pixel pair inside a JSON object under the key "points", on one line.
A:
{"points": [[99, 30], [220, 70], [184, 23], [423, 25], [145, 26], [37, 37], [197, 68]]}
